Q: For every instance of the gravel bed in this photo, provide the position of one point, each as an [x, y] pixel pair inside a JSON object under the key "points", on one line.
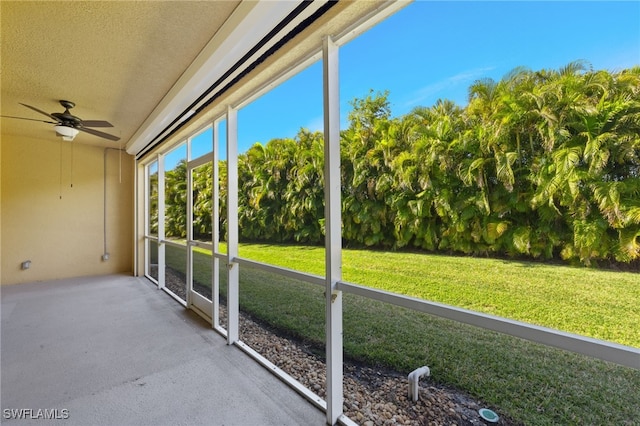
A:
{"points": [[371, 396], [176, 282]]}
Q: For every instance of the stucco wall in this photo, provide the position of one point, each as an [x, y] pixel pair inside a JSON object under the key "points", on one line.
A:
{"points": [[59, 227]]}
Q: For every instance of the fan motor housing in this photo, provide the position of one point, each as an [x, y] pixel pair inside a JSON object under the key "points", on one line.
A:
{"points": [[66, 117]]}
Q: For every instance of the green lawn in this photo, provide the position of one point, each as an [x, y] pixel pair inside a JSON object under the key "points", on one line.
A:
{"points": [[595, 303], [527, 382]]}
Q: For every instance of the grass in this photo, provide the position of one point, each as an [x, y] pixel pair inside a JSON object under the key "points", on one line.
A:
{"points": [[595, 303], [526, 382]]}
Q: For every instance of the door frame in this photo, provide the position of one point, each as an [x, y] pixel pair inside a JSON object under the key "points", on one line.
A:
{"points": [[195, 300]]}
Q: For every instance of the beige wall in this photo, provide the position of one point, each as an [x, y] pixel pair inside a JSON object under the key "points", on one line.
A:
{"points": [[63, 237]]}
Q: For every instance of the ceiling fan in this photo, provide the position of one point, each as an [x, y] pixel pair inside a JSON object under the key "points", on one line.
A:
{"points": [[68, 125]]}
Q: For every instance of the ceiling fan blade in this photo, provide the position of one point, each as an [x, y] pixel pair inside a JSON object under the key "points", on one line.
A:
{"points": [[96, 123], [30, 119], [41, 112], [99, 134]]}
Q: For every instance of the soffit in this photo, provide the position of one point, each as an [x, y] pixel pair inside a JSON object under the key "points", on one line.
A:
{"points": [[344, 21]]}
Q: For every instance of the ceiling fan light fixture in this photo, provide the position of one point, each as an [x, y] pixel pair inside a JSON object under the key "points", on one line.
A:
{"points": [[67, 133]]}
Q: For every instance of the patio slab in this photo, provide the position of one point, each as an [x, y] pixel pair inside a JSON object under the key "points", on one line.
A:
{"points": [[114, 350]]}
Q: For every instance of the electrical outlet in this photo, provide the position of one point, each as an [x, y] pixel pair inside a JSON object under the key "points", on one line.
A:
{"points": [[105, 257]]}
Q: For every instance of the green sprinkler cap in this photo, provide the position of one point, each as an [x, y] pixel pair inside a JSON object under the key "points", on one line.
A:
{"points": [[488, 415]]}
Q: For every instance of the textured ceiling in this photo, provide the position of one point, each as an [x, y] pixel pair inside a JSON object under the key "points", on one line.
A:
{"points": [[115, 60]]}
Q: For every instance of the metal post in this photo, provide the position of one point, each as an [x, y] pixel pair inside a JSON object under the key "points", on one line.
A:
{"points": [[161, 245], [333, 238], [215, 232], [136, 215], [146, 206], [233, 275], [189, 245]]}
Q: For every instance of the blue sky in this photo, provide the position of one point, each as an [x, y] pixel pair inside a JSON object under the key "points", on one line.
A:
{"points": [[432, 49]]}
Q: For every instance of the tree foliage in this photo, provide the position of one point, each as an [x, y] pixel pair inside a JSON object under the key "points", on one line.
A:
{"points": [[541, 164]]}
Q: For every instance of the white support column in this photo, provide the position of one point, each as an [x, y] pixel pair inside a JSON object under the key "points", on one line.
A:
{"points": [[333, 232], [233, 273], [215, 231], [161, 262], [189, 247], [136, 215], [146, 207]]}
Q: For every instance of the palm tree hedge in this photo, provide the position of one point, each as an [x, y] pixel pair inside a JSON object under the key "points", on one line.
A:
{"points": [[541, 165]]}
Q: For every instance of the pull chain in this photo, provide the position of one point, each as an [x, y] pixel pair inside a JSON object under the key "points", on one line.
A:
{"points": [[60, 186], [72, 144]]}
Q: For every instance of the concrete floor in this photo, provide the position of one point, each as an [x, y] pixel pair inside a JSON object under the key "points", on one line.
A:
{"points": [[114, 350]]}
